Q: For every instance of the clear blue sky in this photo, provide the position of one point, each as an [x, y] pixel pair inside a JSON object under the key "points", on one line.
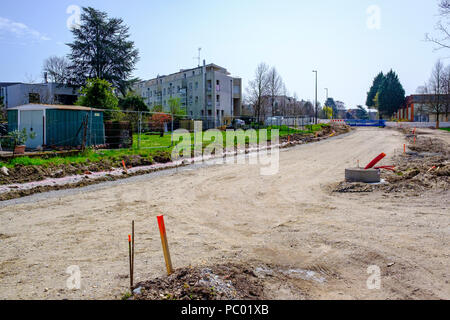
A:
{"points": [[295, 36]]}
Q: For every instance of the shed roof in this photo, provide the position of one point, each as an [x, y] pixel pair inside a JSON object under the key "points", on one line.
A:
{"points": [[41, 106]]}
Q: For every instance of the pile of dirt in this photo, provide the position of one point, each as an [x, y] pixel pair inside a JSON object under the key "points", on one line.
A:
{"points": [[425, 167], [23, 174], [225, 282], [230, 281], [334, 129]]}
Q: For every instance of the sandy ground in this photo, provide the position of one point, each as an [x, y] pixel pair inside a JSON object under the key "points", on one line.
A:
{"points": [[231, 213]]}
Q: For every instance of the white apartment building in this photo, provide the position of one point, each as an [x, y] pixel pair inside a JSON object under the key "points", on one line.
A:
{"points": [[207, 91]]}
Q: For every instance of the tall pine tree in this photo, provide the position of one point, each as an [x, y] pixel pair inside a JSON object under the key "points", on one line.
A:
{"points": [[391, 95], [102, 49], [377, 82]]}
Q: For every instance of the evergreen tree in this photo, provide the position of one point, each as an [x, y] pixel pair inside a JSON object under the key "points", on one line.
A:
{"points": [[102, 49], [391, 95], [132, 102], [377, 82]]}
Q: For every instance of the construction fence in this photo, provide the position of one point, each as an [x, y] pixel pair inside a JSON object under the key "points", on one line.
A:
{"points": [[118, 129]]}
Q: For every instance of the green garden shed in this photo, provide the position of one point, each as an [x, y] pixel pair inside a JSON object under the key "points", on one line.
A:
{"points": [[57, 125]]}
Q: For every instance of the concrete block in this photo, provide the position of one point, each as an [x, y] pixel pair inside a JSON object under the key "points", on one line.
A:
{"points": [[361, 175]]}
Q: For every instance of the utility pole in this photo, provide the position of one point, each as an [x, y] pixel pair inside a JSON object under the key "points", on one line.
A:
{"points": [[315, 101]]}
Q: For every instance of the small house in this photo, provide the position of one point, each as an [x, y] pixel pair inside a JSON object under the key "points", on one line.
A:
{"points": [[58, 125]]}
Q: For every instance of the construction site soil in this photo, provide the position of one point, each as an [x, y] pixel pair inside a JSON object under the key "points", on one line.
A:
{"points": [[22, 174], [236, 234], [424, 166]]}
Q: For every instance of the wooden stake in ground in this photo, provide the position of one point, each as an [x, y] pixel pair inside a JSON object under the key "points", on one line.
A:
{"points": [[165, 245], [124, 166], [131, 262], [132, 252]]}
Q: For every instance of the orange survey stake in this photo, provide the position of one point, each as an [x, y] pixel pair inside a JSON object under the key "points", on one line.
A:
{"points": [[165, 245]]}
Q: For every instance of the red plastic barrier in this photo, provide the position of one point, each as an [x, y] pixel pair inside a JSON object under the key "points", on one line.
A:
{"points": [[375, 161]]}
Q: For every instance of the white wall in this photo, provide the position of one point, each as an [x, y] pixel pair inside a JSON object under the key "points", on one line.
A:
{"points": [[416, 124]]}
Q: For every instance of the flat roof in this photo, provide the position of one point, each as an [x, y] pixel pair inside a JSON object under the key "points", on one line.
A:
{"points": [[32, 106], [211, 65]]}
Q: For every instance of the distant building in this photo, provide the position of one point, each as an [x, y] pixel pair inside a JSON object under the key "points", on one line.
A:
{"points": [[16, 94], [280, 105], [341, 110], [352, 114], [205, 92], [417, 108]]}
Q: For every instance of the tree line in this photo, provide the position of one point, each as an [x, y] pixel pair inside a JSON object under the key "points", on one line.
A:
{"points": [[268, 96], [386, 94], [439, 86], [101, 61]]}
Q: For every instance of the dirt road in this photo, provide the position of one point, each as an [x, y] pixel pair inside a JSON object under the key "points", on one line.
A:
{"points": [[233, 214]]}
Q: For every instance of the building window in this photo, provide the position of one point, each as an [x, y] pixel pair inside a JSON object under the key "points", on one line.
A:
{"points": [[196, 85], [190, 86], [196, 100]]}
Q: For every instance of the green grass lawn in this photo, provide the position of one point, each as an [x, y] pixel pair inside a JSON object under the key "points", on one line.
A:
{"points": [[149, 146], [446, 129], [155, 141]]}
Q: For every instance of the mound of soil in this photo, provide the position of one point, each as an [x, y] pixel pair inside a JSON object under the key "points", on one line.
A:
{"points": [[426, 167], [335, 128], [225, 282], [23, 174], [230, 281]]}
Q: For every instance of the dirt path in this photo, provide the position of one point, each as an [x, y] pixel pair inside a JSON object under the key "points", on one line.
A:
{"points": [[233, 214]]}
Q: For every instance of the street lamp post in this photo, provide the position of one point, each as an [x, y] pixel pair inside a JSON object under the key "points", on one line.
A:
{"points": [[326, 101], [315, 101]]}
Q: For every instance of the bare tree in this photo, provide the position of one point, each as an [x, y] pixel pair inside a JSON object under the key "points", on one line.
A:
{"points": [[275, 86], [284, 105], [443, 41], [258, 90], [57, 69], [435, 87], [446, 91]]}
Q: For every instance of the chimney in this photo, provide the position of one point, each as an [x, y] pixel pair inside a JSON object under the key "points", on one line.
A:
{"points": [[45, 77]]}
